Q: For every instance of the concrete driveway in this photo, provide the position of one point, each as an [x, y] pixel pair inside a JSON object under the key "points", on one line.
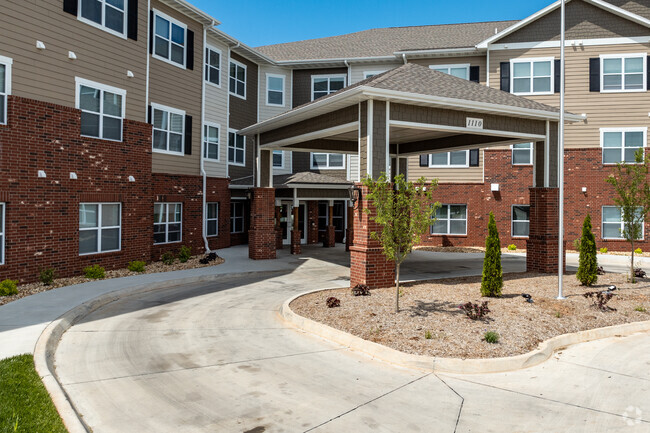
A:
{"points": [[218, 358]]}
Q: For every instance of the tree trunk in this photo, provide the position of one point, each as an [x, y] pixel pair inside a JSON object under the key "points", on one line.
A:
{"points": [[632, 265], [397, 287]]}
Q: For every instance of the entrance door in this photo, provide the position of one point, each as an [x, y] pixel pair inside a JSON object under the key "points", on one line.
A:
{"points": [[338, 221], [286, 222]]}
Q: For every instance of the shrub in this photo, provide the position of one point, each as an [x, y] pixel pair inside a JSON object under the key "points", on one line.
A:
{"points": [[491, 337], [8, 288], [136, 266], [587, 264], [512, 247], [184, 254], [576, 244], [638, 251], [492, 280], [427, 335], [475, 311], [168, 258], [640, 309], [333, 302], [47, 276], [639, 273], [94, 272], [603, 250], [600, 270], [208, 258], [361, 290], [600, 300]]}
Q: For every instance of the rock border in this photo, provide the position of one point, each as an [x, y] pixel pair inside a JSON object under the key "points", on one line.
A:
{"points": [[544, 350]]}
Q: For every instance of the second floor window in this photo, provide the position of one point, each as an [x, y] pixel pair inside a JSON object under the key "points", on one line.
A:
{"points": [[275, 90], [623, 73], [620, 145], [327, 161], [169, 39], [238, 79], [323, 85], [236, 148], [278, 159], [532, 76], [102, 110], [460, 71], [108, 14], [211, 142], [458, 158], [213, 66], [168, 129], [5, 86], [522, 154]]}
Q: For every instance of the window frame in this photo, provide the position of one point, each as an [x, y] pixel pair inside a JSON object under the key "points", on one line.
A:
{"points": [[448, 165], [3, 233], [167, 223], [204, 140], [236, 132], [281, 166], [448, 219], [329, 79], [171, 20], [234, 217], [103, 88], [329, 166], [207, 234], [368, 74], [7, 62], [103, 27], [207, 65], [284, 81], [168, 110], [644, 61], [622, 224], [450, 66], [644, 130], [513, 221], [532, 60], [241, 65], [99, 227], [531, 152]]}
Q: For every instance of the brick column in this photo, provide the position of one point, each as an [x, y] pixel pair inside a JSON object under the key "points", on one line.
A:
{"points": [[349, 232], [278, 228], [330, 232], [543, 239], [367, 263], [296, 248], [262, 234]]}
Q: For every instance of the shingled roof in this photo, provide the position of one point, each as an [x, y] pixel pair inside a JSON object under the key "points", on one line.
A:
{"points": [[307, 178], [386, 41]]}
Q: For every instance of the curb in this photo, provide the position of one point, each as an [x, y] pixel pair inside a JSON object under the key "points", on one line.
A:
{"points": [[455, 365], [48, 341]]}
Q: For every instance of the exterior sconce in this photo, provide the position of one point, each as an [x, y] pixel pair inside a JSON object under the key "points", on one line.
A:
{"points": [[73, 175], [355, 195], [131, 179], [130, 74], [495, 187], [584, 189], [72, 55], [40, 45], [249, 194], [41, 173]]}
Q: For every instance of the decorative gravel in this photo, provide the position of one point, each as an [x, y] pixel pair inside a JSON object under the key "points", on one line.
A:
{"points": [[151, 268], [433, 306]]}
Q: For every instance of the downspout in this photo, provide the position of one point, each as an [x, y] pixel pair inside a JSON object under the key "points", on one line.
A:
{"points": [[347, 65], [228, 109], [404, 57], [487, 67], [204, 230], [146, 86]]}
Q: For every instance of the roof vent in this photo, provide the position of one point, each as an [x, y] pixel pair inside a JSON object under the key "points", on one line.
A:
{"points": [[40, 45], [496, 30]]}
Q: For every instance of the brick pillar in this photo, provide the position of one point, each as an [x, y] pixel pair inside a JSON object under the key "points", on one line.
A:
{"points": [[296, 248], [349, 232], [262, 235], [367, 263], [278, 228], [543, 238], [330, 233]]}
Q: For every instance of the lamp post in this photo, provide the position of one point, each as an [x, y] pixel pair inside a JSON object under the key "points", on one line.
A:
{"points": [[560, 294]]}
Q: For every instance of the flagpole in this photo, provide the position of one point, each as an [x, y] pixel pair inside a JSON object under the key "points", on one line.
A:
{"points": [[560, 294]]}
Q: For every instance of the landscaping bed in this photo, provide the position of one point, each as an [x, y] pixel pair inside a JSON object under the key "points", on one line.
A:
{"points": [[464, 249], [431, 309]]}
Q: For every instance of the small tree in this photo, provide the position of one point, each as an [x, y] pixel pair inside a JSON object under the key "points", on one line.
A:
{"points": [[588, 263], [492, 280], [630, 181], [403, 211]]}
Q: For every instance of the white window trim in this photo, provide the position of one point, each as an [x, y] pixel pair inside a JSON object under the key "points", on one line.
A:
{"points": [[153, 36], [245, 79], [3, 214], [448, 219], [366, 74], [204, 141], [99, 228], [105, 88], [7, 62], [235, 131], [161, 107], [280, 167], [122, 35], [166, 223], [313, 167], [644, 57], [448, 165], [284, 80], [512, 154], [242, 217], [531, 60], [602, 228], [623, 131], [449, 66], [512, 221], [329, 77], [211, 219], [205, 65]]}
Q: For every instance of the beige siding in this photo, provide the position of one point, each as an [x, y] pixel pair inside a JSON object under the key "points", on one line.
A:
{"points": [[446, 175], [216, 110], [353, 163], [48, 75], [357, 71], [479, 61]]}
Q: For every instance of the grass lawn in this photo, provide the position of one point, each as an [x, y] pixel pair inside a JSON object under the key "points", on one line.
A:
{"points": [[25, 405]]}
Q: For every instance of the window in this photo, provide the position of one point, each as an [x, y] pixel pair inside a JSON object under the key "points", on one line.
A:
{"points": [[278, 159], [460, 71], [533, 76], [213, 66], [102, 109], [167, 222], [212, 219], [169, 39], [211, 141], [236, 217], [323, 85], [109, 15], [275, 90], [368, 74], [99, 227], [238, 79], [613, 224], [623, 73], [620, 145], [458, 158], [327, 161], [5, 86], [451, 219], [236, 148], [520, 220], [168, 129], [522, 154], [2, 233]]}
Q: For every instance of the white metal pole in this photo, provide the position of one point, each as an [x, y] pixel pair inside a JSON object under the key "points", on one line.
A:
{"points": [[560, 295]]}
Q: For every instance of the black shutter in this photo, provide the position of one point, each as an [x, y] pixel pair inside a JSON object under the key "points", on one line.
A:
{"points": [[132, 20], [151, 35], [149, 115], [188, 135], [505, 76], [594, 74], [558, 75], [424, 160], [473, 157], [474, 73], [70, 6], [648, 73], [189, 61]]}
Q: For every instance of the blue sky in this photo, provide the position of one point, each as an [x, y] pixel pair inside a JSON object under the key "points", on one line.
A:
{"points": [[263, 22]]}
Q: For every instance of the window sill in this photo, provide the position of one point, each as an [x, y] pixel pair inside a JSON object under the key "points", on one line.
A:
{"points": [[103, 253], [522, 165], [519, 237], [168, 243], [237, 164], [327, 168], [103, 28], [103, 139], [619, 240], [534, 93], [237, 95], [218, 86], [624, 91], [167, 152], [448, 166], [178, 65], [211, 159], [275, 105], [456, 236]]}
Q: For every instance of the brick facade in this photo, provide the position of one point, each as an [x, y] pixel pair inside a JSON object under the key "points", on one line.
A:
{"points": [[261, 235], [543, 240]]}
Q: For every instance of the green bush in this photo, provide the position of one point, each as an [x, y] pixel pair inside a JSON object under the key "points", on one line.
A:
{"points": [[492, 280], [94, 272], [184, 254], [491, 337], [136, 266], [576, 244], [638, 251], [427, 335], [47, 276], [8, 288], [512, 247], [587, 264], [603, 250], [168, 258]]}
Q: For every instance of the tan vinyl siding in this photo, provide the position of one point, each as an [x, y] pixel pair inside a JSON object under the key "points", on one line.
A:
{"points": [[216, 110], [268, 111], [446, 175], [179, 88], [48, 75], [479, 61], [357, 71]]}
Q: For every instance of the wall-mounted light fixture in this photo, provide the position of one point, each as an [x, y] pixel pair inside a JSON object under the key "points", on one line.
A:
{"points": [[73, 175], [131, 179], [40, 45], [41, 173], [355, 196], [495, 187], [72, 55]]}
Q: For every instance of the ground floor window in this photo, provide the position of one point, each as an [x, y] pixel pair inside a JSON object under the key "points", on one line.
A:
{"points": [[2, 233], [613, 225], [520, 220], [167, 222], [522, 154], [451, 219], [212, 219], [236, 217], [99, 227]]}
